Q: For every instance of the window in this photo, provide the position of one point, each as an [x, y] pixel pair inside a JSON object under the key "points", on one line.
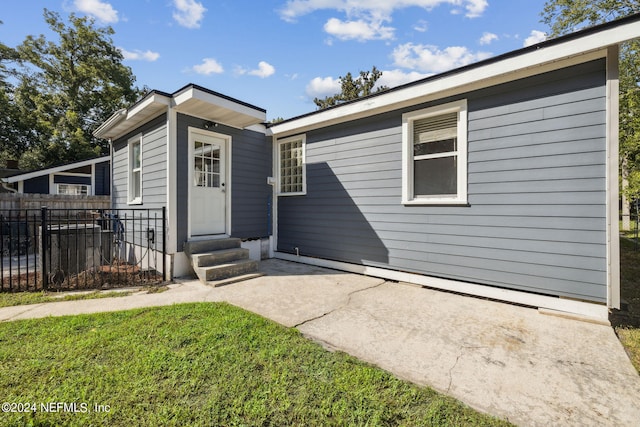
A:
{"points": [[291, 166], [135, 170], [206, 163], [73, 189], [435, 155]]}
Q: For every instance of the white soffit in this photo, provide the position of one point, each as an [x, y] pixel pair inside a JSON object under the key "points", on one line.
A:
{"points": [[124, 121], [210, 106], [531, 61]]}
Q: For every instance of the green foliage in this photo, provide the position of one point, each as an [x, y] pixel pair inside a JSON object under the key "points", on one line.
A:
{"points": [[64, 89], [565, 16], [201, 365], [352, 88]]}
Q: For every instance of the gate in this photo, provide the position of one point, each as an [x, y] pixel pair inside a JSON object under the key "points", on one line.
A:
{"points": [[72, 249]]}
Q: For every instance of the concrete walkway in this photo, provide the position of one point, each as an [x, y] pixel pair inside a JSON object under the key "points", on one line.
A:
{"points": [[513, 362]]}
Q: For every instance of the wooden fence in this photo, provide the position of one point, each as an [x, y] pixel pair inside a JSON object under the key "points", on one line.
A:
{"points": [[53, 201]]}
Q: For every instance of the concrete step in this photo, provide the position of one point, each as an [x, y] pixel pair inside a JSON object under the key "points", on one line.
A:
{"points": [[235, 279], [225, 271], [219, 257], [210, 245]]}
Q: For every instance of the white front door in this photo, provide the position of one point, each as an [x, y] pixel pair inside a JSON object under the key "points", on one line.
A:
{"points": [[208, 198]]}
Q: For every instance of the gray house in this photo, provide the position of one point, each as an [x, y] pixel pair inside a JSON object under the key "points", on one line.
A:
{"points": [[89, 177], [498, 179]]}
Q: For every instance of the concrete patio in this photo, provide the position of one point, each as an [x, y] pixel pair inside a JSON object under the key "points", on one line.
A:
{"points": [[513, 362]]}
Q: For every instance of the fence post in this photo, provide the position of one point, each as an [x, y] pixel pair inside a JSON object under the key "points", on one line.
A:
{"points": [[164, 244], [44, 235]]}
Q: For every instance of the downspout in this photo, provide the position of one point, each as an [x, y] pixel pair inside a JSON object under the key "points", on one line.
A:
{"points": [[111, 196], [612, 167]]}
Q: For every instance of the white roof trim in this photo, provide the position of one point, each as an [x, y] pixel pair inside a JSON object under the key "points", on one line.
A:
{"points": [[190, 93], [575, 50], [62, 168], [155, 98]]}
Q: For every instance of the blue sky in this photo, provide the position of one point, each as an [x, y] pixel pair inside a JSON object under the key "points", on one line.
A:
{"points": [[280, 54]]}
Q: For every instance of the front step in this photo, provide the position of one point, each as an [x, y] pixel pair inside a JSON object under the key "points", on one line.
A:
{"points": [[219, 257], [225, 271], [202, 246], [220, 261]]}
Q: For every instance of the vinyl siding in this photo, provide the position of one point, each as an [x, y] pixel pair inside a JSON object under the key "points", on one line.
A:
{"points": [[535, 220], [154, 166], [154, 183]]}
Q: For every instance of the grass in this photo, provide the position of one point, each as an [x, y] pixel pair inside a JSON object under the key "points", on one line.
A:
{"points": [[627, 324], [8, 299], [631, 233], [202, 364], [23, 298]]}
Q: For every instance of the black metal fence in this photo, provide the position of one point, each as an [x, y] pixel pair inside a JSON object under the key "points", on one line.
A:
{"points": [[63, 249]]}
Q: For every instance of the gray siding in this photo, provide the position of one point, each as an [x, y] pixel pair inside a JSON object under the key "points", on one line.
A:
{"points": [[154, 166], [250, 193], [536, 192], [37, 185]]}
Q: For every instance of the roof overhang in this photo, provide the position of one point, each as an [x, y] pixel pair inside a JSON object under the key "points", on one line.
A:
{"points": [[199, 102], [56, 169], [557, 53], [192, 100], [123, 121]]}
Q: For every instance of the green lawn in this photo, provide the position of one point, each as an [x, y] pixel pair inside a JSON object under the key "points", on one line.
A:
{"points": [[627, 324], [200, 364], [8, 299]]}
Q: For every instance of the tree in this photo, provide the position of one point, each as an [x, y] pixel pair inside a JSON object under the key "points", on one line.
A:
{"points": [[363, 85], [12, 131], [565, 16], [67, 88]]}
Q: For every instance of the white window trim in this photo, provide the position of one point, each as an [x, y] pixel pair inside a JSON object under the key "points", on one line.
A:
{"points": [[279, 142], [87, 186], [408, 197], [137, 200]]}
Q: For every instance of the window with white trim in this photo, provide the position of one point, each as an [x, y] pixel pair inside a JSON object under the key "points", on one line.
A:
{"points": [[291, 167], [73, 189], [135, 170], [435, 155]]}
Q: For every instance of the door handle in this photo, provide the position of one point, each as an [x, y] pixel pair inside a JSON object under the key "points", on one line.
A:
{"points": [[222, 186]]}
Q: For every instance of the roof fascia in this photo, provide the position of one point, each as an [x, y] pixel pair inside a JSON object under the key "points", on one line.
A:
{"points": [[545, 57], [56, 169]]}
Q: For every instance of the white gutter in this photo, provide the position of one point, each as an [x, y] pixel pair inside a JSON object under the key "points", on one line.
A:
{"points": [[115, 118]]}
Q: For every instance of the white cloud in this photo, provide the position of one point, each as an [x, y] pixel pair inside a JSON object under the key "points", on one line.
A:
{"points": [[475, 8], [358, 30], [188, 13], [208, 66], [393, 78], [264, 70], [431, 59], [320, 87], [102, 11], [366, 19], [534, 38], [380, 9], [487, 38], [138, 55], [421, 26]]}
